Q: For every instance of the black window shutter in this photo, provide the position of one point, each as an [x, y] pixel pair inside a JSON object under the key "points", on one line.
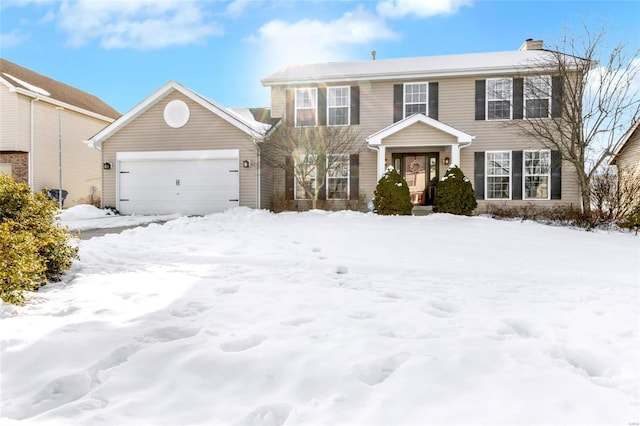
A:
{"points": [[322, 106], [556, 175], [478, 175], [398, 104], [290, 115], [480, 99], [556, 97], [354, 176], [518, 98], [355, 104], [322, 191], [433, 100], [516, 174], [288, 179]]}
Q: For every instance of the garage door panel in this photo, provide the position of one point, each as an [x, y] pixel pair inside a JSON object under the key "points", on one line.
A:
{"points": [[178, 186]]}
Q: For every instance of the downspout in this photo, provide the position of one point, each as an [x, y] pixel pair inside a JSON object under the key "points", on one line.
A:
{"points": [[259, 191], [32, 143]]}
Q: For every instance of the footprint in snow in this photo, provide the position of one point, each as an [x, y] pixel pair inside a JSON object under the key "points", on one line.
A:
{"points": [[581, 360], [167, 334], [297, 321], [190, 310], [517, 327], [378, 371], [361, 315], [268, 415], [242, 344], [227, 290]]}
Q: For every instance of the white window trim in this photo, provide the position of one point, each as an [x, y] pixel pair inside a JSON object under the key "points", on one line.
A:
{"points": [[486, 100], [295, 105], [549, 98], [524, 175], [348, 177], [404, 98], [348, 106], [486, 176]]}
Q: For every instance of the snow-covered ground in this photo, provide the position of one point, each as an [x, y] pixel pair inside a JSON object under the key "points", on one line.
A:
{"points": [[83, 217], [248, 317]]}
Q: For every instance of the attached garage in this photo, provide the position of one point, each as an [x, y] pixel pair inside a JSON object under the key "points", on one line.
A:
{"points": [[186, 182], [178, 152]]}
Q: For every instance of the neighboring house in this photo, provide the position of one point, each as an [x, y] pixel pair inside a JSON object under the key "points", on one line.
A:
{"points": [[626, 155], [423, 114], [43, 124], [178, 152]]}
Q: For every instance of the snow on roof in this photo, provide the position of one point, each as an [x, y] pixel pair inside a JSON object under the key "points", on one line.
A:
{"points": [[246, 115], [29, 86], [432, 66]]}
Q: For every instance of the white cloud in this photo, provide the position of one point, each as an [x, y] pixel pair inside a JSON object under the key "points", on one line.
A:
{"points": [[13, 39], [282, 43], [419, 8], [237, 7], [140, 24]]}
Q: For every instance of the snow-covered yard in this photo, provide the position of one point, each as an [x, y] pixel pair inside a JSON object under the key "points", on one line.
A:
{"points": [[248, 317]]}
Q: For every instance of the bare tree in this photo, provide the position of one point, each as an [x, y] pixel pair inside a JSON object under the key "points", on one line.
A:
{"points": [[311, 153], [615, 194], [598, 101]]}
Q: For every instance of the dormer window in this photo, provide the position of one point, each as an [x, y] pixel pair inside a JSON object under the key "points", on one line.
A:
{"points": [[306, 107]]}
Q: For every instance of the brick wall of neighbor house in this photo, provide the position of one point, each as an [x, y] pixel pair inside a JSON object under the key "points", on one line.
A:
{"points": [[204, 130], [19, 165], [457, 109]]}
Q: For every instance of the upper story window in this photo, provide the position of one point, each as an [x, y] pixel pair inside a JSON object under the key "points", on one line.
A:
{"points": [[338, 108], [499, 91], [306, 108], [537, 174], [498, 175], [415, 99], [537, 95]]}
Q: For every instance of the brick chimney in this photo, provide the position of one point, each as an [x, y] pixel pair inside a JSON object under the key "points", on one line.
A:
{"points": [[531, 44]]}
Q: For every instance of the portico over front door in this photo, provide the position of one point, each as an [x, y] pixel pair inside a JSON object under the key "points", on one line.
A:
{"points": [[420, 170]]}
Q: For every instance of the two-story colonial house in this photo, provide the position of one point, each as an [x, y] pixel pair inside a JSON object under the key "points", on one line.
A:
{"points": [[421, 115]]}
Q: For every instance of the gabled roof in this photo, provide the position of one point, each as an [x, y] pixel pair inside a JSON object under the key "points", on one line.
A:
{"points": [[623, 142], [494, 63], [31, 83], [240, 118], [462, 137]]}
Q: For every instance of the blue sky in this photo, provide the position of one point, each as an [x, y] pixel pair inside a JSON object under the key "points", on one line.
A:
{"points": [[122, 51]]}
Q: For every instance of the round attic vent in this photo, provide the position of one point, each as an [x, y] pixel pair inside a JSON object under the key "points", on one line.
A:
{"points": [[176, 114]]}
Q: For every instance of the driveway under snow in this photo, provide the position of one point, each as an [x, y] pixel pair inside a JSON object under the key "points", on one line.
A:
{"points": [[248, 317]]}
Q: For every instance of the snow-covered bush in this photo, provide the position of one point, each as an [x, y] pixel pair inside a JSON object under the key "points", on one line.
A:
{"points": [[34, 248], [392, 194], [454, 194]]}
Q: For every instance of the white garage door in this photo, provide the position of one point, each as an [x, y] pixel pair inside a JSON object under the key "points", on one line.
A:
{"points": [[159, 183]]}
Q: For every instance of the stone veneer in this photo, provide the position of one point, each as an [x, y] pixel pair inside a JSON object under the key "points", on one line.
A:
{"points": [[19, 162]]}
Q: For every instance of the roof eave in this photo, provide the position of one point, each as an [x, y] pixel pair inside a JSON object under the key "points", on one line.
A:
{"points": [[61, 104]]}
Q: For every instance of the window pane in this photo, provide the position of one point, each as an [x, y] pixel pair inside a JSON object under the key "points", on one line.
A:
{"points": [[306, 117], [536, 187], [499, 110], [338, 177], [415, 99], [415, 109], [536, 174], [498, 169], [338, 116], [537, 108]]}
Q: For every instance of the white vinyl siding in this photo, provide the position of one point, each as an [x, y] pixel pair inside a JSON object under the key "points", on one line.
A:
{"points": [[415, 98], [338, 108], [498, 175], [499, 98], [306, 107], [537, 97], [537, 174]]}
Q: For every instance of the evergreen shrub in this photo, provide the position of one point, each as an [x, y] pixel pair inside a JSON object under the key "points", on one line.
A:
{"points": [[454, 194], [35, 249], [392, 196]]}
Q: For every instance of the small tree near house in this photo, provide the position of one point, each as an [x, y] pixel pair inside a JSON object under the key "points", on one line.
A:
{"points": [[392, 196], [578, 102], [309, 154]]}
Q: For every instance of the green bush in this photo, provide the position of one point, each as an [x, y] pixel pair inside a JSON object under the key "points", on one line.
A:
{"points": [[454, 194], [34, 248], [392, 195]]}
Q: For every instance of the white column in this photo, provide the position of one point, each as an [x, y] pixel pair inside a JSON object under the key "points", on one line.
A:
{"points": [[455, 155], [381, 156]]}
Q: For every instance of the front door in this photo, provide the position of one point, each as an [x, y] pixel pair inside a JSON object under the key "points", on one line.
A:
{"points": [[420, 170]]}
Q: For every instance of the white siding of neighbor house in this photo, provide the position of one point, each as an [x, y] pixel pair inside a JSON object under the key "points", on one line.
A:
{"points": [[629, 157], [81, 165], [456, 105], [204, 131]]}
